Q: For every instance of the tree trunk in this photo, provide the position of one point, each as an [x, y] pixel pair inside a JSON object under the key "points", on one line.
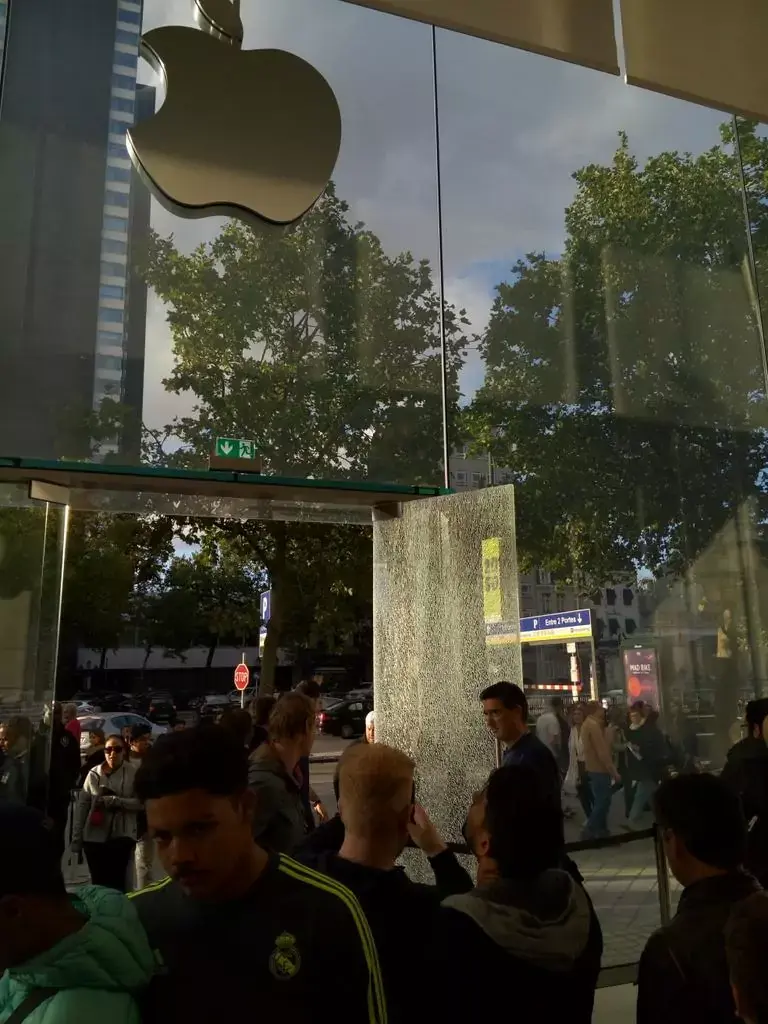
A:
{"points": [[209, 660], [103, 658], [275, 624]]}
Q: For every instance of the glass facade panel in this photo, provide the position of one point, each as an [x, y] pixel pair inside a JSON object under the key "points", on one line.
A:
{"points": [[32, 548], [596, 236], [322, 345], [445, 607], [601, 345]]}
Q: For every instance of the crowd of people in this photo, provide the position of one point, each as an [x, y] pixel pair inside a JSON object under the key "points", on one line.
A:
{"points": [[274, 907], [602, 752]]}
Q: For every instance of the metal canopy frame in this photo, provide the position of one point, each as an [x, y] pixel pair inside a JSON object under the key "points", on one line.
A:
{"points": [[251, 495]]}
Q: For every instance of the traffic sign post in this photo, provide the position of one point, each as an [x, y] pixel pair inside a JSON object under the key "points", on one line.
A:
{"points": [[242, 678], [236, 453]]}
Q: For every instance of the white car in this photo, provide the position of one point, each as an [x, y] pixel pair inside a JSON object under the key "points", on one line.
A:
{"points": [[113, 724]]}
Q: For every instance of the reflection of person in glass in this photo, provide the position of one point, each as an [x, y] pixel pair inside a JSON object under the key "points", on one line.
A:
{"points": [[725, 635], [13, 750], [727, 682]]}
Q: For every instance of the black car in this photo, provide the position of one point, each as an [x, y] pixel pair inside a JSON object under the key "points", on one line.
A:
{"points": [[345, 717], [161, 708]]}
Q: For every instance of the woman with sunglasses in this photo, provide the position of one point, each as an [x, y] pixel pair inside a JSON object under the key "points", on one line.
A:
{"points": [[106, 817]]}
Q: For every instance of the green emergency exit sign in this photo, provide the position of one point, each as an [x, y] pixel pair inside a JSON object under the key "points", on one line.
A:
{"points": [[235, 453], [235, 448]]}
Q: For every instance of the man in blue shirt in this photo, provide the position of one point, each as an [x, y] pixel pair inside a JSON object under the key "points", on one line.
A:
{"points": [[505, 709]]}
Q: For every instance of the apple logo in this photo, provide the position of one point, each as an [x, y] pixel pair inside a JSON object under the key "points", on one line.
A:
{"points": [[248, 133]]}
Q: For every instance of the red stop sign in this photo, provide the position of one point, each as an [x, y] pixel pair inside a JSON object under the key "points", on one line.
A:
{"points": [[242, 676]]}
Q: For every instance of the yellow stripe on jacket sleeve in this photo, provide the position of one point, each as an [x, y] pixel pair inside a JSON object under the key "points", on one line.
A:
{"points": [[377, 1007], [153, 887]]}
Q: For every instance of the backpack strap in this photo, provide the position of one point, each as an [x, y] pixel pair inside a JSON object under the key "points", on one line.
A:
{"points": [[28, 1006]]}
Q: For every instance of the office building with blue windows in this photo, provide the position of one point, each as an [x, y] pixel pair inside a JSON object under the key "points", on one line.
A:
{"points": [[72, 311]]}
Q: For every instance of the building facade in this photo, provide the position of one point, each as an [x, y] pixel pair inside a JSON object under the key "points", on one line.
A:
{"points": [[72, 312]]}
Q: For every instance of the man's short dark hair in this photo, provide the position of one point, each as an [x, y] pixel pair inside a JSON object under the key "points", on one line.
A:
{"points": [[756, 712], [291, 717], [706, 815], [310, 688], [30, 857], [139, 731], [524, 822], [208, 758], [239, 723], [556, 703], [510, 695], [746, 940]]}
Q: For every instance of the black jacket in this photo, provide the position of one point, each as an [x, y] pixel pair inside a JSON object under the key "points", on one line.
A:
{"points": [[325, 839], [746, 772], [270, 955], [279, 819], [535, 942], [683, 975], [529, 750], [649, 754], [399, 912]]}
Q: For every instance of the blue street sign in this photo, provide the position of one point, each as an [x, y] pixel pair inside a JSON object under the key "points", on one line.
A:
{"points": [[556, 626], [266, 605]]}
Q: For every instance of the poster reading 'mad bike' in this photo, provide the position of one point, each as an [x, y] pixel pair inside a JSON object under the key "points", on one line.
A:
{"points": [[641, 671]]}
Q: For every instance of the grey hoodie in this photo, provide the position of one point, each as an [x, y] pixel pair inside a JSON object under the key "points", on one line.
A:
{"points": [[544, 921], [279, 822]]}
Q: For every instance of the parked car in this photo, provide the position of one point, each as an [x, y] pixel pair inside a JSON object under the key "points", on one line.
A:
{"points": [[362, 692], [114, 724], [161, 708], [213, 705], [345, 718], [106, 702], [235, 696]]}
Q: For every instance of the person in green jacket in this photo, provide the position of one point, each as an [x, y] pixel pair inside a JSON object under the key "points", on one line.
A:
{"points": [[64, 958]]}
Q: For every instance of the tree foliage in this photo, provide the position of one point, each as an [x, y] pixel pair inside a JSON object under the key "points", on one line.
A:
{"points": [[325, 351], [205, 599], [113, 562], [624, 384]]}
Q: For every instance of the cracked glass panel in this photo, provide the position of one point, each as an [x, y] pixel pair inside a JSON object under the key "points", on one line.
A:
{"points": [[445, 626]]}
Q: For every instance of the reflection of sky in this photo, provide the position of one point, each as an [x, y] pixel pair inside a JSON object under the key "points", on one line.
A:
{"points": [[514, 128]]}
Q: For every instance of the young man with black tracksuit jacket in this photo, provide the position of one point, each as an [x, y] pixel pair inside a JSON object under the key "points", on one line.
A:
{"points": [[376, 805], [236, 929]]}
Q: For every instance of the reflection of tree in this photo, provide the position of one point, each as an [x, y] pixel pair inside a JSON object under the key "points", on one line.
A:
{"points": [[316, 344], [624, 383], [325, 351]]}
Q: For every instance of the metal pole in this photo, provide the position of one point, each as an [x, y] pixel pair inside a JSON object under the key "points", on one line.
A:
{"points": [[662, 877], [593, 687], [242, 692], [444, 360]]}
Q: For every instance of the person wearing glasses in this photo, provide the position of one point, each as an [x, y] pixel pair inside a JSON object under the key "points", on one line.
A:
{"points": [[105, 826]]}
